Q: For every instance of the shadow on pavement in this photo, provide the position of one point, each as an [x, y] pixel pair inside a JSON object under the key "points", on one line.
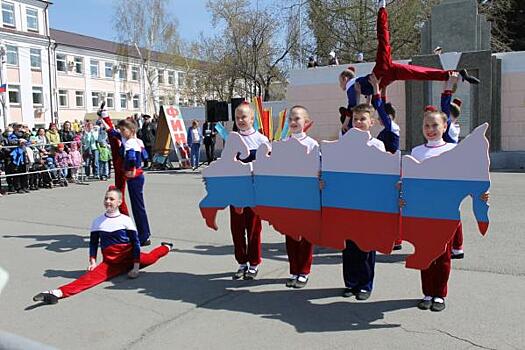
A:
{"points": [[277, 252], [56, 243], [302, 308]]}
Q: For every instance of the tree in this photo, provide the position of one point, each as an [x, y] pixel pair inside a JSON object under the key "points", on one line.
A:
{"points": [[250, 52], [148, 33], [349, 26]]}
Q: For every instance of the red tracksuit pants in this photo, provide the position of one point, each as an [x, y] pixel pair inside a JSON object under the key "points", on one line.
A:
{"points": [[118, 166], [457, 240], [390, 71], [300, 256], [434, 280], [116, 261], [246, 233]]}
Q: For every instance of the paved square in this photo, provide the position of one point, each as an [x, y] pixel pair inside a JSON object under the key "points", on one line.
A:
{"points": [[188, 300]]}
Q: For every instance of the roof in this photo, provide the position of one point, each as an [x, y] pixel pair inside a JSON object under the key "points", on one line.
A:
{"points": [[91, 43]]}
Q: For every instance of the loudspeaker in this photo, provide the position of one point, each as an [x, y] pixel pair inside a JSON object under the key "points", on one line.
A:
{"points": [[235, 102], [221, 111], [210, 110]]}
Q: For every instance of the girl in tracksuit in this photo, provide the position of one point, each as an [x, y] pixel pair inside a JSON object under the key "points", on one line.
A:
{"points": [[117, 237], [132, 152]]}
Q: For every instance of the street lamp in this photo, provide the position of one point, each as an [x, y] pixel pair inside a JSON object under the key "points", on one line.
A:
{"points": [[2, 95], [143, 80]]}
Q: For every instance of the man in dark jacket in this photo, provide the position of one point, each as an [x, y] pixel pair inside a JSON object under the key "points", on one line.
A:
{"points": [[209, 133], [147, 134]]}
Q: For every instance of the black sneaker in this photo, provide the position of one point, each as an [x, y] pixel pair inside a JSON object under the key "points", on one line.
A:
{"points": [[146, 243], [397, 247], [26, 190], [362, 295], [437, 307], [290, 282], [301, 282], [250, 274], [240, 273], [424, 304], [46, 298], [19, 191], [471, 79], [348, 292], [167, 244], [457, 256]]}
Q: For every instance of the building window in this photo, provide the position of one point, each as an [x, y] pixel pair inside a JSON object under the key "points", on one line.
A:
{"points": [[171, 101], [171, 77], [161, 76], [93, 68], [135, 73], [12, 55], [108, 70], [32, 19], [136, 101], [110, 100], [61, 63], [122, 72], [95, 99], [14, 94], [79, 98], [123, 101], [8, 14], [79, 65], [181, 77], [38, 95], [162, 100], [62, 98], [36, 59]]}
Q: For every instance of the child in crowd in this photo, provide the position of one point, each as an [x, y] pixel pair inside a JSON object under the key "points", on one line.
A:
{"points": [[390, 133], [76, 161], [358, 266], [120, 247], [300, 253], [452, 109], [104, 157], [434, 279], [19, 163], [132, 152], [244, 223], [62, 161]]}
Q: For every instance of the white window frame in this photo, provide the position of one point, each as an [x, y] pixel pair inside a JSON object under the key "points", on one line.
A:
{"points": [[92, 65], [108, 65], [63, 58], [40, 90], [171, 77], [123, 72], [63, 94], [160, 76], [124, 98], [35, 16], [136, 99], [181, 77], [135, 70], [14, 88], [110, 100], [97, 95], [12, 10], [80, 94], [15, 51], [34, 52], [79, 62]]}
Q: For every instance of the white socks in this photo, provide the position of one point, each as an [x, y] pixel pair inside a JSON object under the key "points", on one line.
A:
{"points": [[457, 251], [438, 300], [302, 278], [427, 298], [55, 292]]}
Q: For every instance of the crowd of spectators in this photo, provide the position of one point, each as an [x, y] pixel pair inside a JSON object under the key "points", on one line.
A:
{"points": [[31, 159]]}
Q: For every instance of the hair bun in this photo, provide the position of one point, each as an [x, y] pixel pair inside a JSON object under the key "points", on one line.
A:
{"points": [[351, 68], [457, 102], [112, 187], [430, 108]]}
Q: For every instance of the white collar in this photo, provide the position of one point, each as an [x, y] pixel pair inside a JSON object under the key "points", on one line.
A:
{"points": [[436, 143], [247, 132], [112, 215], [350, 83], [299, 136]]}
